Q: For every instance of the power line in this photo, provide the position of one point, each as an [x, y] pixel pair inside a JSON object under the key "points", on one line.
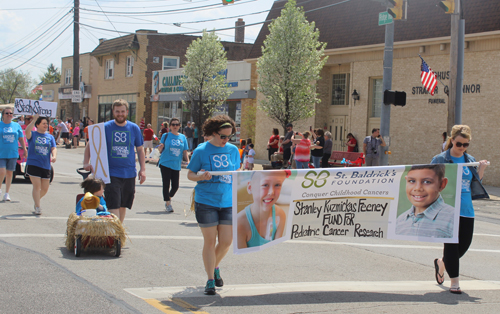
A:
{"points": [[45, 32], [143, 7]]}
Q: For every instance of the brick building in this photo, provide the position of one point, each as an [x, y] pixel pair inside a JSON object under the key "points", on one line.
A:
{"points": [[355, 49], [86, 77], [126, 65]]}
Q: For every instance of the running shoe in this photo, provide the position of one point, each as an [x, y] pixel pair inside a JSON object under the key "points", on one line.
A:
{"points": [[210, 287], [169, 209], [218, 280], [6, 197], [38, 210]]}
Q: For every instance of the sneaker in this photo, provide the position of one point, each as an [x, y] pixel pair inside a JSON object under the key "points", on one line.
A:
{"points": [[210, 287], [168, 208], [6, 197], [218, 280], [38, 210]]}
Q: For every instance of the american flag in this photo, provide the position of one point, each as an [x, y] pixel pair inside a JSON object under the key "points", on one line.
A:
{"points": [[37, 88], [428, 77]]}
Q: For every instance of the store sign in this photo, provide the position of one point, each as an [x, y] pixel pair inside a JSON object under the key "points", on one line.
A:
{"points": [[48, 95]]}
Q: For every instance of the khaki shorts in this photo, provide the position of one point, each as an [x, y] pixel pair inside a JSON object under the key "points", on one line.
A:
{"points": [[148, 144]]}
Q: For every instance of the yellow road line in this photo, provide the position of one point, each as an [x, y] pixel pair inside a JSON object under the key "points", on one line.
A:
{"points": [[188, 306], [160, 306]]}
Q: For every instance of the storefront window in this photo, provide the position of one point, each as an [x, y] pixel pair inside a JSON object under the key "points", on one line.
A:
{"points": [[168, 110]]}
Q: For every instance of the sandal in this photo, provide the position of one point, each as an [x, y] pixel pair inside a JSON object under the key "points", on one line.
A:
{"points": [[439, 278], [455, 290]]}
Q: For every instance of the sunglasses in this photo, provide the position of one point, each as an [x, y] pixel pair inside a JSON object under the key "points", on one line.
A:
{"points": [[223, 137], [174, 124], [10, 113], [465, 145]]}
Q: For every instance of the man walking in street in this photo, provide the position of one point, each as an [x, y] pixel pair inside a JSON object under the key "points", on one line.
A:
{"points": [[370, 148], [188, 132], [287, 144], [122, 137], [62, 129]]}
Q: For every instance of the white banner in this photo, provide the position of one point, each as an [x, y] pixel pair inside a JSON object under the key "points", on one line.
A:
{"points": [[416, 203], [99, 152], [31, 107]]}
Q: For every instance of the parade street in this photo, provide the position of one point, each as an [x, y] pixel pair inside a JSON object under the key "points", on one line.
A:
{"points": [[160, 269]]}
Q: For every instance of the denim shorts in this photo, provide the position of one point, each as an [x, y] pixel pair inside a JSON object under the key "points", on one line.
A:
{"points": [[209, 216], [8, 163]]}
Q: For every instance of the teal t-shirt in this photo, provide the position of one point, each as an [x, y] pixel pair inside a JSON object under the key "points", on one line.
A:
{"points": [[175, 145], [217, 191], [466, 208], [9, 137]]}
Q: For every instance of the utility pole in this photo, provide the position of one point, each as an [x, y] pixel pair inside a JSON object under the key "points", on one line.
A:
{"points": [[460, 67], [385, 114], [76, 60], [452, 97]]}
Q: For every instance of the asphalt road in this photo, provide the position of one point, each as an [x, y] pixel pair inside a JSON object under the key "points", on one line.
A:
{"points": [[161, 270]]}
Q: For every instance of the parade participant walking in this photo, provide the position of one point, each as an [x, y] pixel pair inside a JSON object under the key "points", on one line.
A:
{"points": [[121, 138], [195, 135], [456, 152], [370, 148], [213, 194], [164, 129], [63, 131], [173, 147], [148, 139], [76, 135], [41, 146], [10, 134], [188, 132]]}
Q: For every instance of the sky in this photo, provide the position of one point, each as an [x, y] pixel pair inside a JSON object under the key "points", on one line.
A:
{"points": [[36, 33]]}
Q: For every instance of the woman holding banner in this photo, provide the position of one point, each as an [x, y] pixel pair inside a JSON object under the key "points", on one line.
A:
{"points": [[41, 145], [456, 152], [213, 193], [10, 134]]}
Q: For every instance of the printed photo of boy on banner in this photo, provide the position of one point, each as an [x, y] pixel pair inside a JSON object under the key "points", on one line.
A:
{"points": [[426, 209], [417, 203]]}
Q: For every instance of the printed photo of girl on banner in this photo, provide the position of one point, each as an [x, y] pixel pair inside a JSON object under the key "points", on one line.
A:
{"points": [[262, 210]]}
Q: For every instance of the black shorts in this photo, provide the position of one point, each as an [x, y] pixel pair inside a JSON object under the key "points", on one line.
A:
{"points": [[65, 135], [37, 172], [287, 153], [120, 192]]}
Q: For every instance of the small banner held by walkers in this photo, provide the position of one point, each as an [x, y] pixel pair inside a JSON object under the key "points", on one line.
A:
{"points": [[417, 203], [99, 152], [31, 107]]}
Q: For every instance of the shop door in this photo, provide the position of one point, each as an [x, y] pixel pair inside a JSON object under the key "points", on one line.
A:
{"points": [[338, 130]]}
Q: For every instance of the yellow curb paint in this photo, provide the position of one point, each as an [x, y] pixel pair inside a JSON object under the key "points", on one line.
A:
{"points": [[160, 306], [188, 306]]}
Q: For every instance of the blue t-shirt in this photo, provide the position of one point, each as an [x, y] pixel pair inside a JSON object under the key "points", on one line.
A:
{"points": [[39, 149], [121, 141], [9, 136], [466, 208], [175, 145], [217, 191]]}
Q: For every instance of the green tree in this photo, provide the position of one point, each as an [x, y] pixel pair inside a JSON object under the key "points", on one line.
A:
{"points": [[52, 75], [292, 58], [204, 79], [14, 84]]}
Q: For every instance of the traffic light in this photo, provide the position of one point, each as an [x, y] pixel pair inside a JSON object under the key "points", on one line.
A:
{"points": [[447, 6], [225, 2], [394, 98], [397, 11]]}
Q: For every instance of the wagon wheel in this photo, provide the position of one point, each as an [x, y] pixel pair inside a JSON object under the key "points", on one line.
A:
{"points": [[78, 246], [118, 248]]}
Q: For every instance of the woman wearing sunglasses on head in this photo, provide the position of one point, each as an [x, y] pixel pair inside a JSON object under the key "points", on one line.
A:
{"points": [[10, 134], [213, 194], [456, 152]]}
